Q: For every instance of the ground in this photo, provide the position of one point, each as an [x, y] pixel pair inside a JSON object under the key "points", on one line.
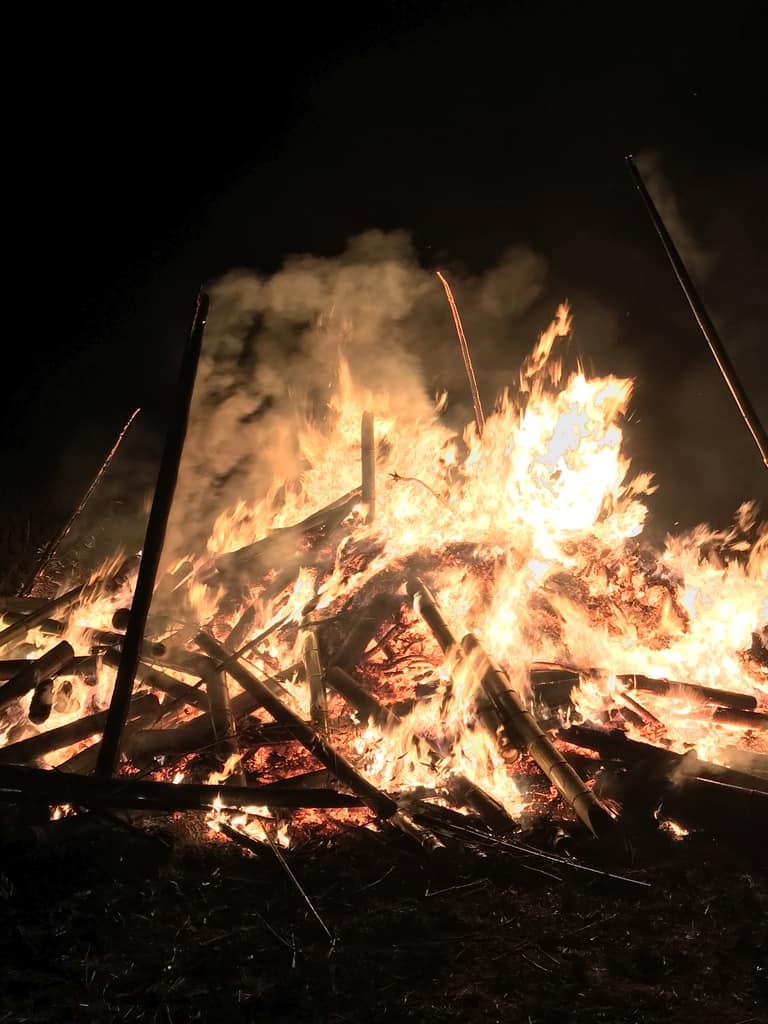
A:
{"points": [[166, 924]]}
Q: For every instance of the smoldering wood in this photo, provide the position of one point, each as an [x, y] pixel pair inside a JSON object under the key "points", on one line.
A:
{"points": [[34, 747], [84, 667], [364, 628], [368, 460], [462, 789], [46, 666], [742, 719], [313, 670], [42, 702], [269, 552], [379, 802], [19, 784], [157, 680], [655, 762], [692, 802], [529, 735], [553, 687]]}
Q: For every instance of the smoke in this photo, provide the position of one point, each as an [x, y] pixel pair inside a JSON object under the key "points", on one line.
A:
{"points": [[272, 348], [700, 260]]}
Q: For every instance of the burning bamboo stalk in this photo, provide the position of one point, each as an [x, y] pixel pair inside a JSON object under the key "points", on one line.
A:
{"points": [[364, 628], [521, 725], [45, 667], [426, 606], [63, 736], [554, 687], [479, 417], [153, 547], [462, 788], [313, 669], [381, 804], [19, 784], [85, 667], [226, 746], [368, 459]]}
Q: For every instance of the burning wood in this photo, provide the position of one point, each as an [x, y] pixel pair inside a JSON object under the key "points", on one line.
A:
{"points": [[535, 553]]}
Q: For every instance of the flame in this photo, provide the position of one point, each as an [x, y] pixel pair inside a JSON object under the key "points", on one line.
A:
{"points": [[530, 536]]}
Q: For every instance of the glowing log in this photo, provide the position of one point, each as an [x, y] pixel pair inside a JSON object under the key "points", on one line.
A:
{"points": [[313, 670], [368, 460], [82, 667], [65, 735], [463, 790], [19, 784], [742, 719], [269, 552], [526, 732], [50, 664], [381, 804], [364, 629]]}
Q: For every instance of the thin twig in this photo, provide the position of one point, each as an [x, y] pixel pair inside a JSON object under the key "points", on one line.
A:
{"points": [[479, 417]]}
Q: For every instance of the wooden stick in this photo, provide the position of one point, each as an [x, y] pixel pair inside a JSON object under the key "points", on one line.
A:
{"points": [[381, 804], [18, 784], [45, 667], [153, 547], [368, 459], [50, 549], [479, 416], [157, 680]]}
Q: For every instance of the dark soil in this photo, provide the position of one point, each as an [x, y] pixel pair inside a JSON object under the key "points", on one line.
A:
{"points": [[105, 923]]}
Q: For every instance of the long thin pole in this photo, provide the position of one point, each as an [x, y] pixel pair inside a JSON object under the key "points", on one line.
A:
{"points": [[479, 415], [716, 347], [153, 546], [51, 548]]}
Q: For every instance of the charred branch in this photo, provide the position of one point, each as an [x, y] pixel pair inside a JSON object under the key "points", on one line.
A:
{"points": [[47, 666]]}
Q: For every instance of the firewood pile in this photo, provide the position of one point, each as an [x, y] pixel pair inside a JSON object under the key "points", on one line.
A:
{"points": [[381, 672]]}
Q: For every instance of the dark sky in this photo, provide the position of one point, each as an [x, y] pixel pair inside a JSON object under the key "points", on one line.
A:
{"points": [[475, 126]]}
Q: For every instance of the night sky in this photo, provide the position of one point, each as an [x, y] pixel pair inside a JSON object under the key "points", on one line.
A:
{"points": [[475, 127]]}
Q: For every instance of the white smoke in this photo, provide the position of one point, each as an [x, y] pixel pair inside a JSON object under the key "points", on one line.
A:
{"points": [[271, 353]]}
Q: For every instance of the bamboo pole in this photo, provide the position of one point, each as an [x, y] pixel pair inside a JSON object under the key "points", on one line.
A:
{"points": [[153, 546], [44, 667], [707, 327], [368, 459], [313, 669], [521, 725], [364, 628]]}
